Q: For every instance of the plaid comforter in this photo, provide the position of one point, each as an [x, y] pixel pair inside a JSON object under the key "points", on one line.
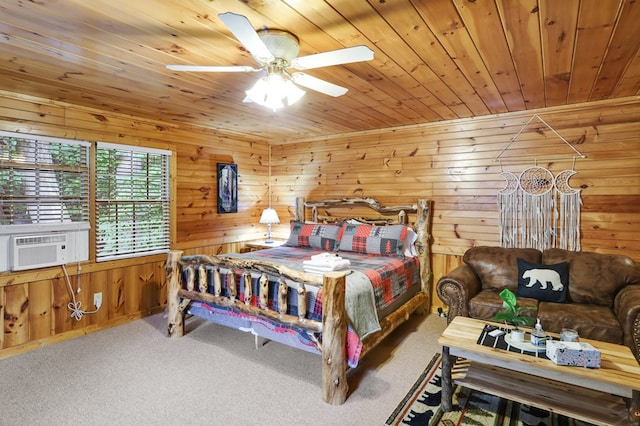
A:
{"points": [[390, 278]]}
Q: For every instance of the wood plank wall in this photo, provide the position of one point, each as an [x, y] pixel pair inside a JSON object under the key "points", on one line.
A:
{"points": [[453, 164], [33, 304]]}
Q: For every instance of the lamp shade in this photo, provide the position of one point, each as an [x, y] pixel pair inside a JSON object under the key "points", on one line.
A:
{"points": [[269, 216]]}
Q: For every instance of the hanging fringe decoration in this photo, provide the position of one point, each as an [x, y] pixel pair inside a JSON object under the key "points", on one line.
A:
{"points": [[528, 206], [508, 210], [537, 208], [568, 227], [539, 211]]}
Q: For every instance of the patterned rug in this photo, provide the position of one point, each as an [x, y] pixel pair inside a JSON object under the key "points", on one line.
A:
{"points": [[421, 407]]}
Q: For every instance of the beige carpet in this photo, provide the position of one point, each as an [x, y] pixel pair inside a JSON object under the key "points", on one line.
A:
{"points": [[134, 375]]}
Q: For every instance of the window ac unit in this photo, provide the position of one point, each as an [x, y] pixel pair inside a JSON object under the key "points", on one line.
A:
{"points": [[38, 251]]}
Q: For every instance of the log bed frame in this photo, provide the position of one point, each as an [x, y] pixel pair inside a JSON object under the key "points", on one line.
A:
{"points": [[334, 319]]}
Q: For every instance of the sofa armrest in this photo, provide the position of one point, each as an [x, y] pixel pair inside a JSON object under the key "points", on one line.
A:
{"points": [[456, 288], [627, 309]]}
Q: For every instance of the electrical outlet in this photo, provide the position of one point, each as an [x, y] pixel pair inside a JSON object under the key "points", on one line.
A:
{"points": [[97, 300]]}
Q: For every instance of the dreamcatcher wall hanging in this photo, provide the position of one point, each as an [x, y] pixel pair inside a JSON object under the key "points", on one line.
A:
{"points": [[538, 210]]}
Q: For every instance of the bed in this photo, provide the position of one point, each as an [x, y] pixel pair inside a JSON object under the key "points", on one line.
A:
{"points": [[374, 272]]}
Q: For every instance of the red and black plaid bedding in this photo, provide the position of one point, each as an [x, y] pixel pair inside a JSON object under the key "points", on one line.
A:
{"points": [[390, 276]]}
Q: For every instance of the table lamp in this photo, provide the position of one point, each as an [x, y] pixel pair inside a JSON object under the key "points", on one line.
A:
{"points": [[269, 217]]}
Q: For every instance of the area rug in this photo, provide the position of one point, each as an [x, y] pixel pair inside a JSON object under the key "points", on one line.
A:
{"points": [[421, 407]]}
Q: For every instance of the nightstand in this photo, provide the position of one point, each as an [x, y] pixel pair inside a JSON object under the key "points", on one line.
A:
{"points": [[255, 245]]}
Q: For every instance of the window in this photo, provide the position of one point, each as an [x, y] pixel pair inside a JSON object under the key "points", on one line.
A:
{"points": [[44, 183], [132, 201]]}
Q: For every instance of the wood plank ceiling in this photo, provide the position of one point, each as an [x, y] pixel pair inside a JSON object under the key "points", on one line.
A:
{"points": [[434, 59]]}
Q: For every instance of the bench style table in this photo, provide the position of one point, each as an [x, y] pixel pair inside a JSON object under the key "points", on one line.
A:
{"points": [[595, 395]]}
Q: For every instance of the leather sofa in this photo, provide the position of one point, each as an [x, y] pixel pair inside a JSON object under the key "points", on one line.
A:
{"points": [[601, 300]]}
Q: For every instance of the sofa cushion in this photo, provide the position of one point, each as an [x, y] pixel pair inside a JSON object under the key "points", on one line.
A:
{"points": [[547, 283], [497, 267], [486, 304], [590, 321], [594, 278]]}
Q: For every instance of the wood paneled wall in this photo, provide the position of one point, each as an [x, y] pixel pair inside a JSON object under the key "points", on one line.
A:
{"points": [[33, 304], [453, 164]]}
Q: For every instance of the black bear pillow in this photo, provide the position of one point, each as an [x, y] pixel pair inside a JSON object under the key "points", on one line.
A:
{"points": [[547, 283]]}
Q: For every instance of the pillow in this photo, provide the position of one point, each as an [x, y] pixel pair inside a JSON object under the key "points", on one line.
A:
{"points": [[409, 243], [547, 283], [314, 235], [371, 239]]}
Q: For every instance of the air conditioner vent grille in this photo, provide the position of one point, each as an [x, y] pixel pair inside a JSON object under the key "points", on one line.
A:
{"points": [[40, 239], [38, 251]]}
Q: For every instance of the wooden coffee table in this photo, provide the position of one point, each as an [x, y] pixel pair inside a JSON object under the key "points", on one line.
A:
{"points": [[609, 395]]}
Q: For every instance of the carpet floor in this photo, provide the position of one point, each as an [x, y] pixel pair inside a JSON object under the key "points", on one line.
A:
{"points": [[421, 406], [134, 375]]}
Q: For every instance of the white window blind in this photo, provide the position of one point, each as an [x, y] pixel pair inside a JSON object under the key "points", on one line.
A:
{"points": [[43, 181], [132, 201]]}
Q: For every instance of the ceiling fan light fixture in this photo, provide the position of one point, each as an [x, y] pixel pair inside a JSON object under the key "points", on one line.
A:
{"points": [[273, 90], [294, 93]]}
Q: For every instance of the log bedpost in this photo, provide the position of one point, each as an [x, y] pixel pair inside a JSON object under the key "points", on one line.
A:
{"points": [[175, 317], [334, 339], [422, 226], [300, 209]]}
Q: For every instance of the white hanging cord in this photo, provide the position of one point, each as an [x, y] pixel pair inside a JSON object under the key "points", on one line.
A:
{"points": [[269, 175], [515, 137], [563, 139], [581, 155], [76, 312], [78, 278]]}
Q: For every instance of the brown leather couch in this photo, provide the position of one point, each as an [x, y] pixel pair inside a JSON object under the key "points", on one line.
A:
{"points": [[602, 298]]}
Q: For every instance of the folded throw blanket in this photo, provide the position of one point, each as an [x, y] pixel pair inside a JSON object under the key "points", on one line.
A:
{"points": [[325, 263], [325, 257], [321, 269]]}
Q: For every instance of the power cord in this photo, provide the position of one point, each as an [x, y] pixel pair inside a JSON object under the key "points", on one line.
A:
{"points": [[75, 305]]}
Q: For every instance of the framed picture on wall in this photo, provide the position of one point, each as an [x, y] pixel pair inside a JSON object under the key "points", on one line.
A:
{"points": [[227, 188]]}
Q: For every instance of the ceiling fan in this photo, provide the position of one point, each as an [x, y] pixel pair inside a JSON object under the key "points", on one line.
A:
{"points": [[276, 51]]}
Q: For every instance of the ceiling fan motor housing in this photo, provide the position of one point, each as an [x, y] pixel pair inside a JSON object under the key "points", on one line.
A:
{"points": [[283, 45]]}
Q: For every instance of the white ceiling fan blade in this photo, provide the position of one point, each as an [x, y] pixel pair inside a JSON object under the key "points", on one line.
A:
{"points": [[318, 85], [204, 68], [242, 29], [333, 57]]}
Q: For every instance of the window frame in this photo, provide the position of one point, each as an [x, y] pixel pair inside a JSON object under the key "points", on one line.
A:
{"points": [[165, 203]]}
